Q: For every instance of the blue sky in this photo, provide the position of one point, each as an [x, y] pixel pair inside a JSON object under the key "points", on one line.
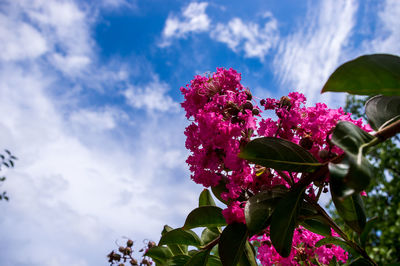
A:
{"points": [[89, 97]]}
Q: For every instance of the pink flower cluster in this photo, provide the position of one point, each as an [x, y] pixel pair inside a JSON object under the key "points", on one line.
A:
{"points": [[303, 250], [225, 117]]}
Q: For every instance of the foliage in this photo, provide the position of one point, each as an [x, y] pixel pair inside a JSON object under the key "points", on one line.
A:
{"points": [[270, 173], [7, 160], [383, 200]]}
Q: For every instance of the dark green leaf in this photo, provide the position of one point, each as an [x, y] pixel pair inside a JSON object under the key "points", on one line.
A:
{"points": [[349, 137], [199, 258], [382, 109], [214, 261], [337, 241], [367, 229], [351, 209], [317, 225], [283, 221], [333, 262], [232, 243], [207, 236], [350, 176], [279, 154], [205, 216], [180, 236], [206, 199], [259, 208], [248, 258], [218, 189], [367, 75], [159, 254], [178, 260]]}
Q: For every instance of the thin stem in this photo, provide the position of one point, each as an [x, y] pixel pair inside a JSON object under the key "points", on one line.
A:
{"points": [[210, 245]]}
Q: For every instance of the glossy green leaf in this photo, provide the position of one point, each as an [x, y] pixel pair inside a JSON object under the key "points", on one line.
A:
{"points": [[351, 209], [248, 258], [205, 216], [313, 221], [214, 261], [337, 241], [206, 199], [283, 221], [218, 189], [180, 236], [350, 137], [259, 208], [279, 154], [176, 249], [367, 75], [159, 254], [207, 236], [350, 176], [367, 229], [381, 110], [199, 258], [232, 243], [178, 260]]}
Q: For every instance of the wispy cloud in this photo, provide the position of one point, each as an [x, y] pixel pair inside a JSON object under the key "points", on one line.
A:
{"points": [[253, 39], [192, 19], [88, 172], [387, 34], [307, 57]]}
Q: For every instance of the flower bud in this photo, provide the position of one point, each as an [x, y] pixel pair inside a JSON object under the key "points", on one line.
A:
{"points": [[121, 249], [247, 105], [249, 96], [127, 251], [232, 109], [133, 262], [116, 257], [285, 102], [255, 111], [129, 243], [306, 142], [151, 244], [262, 102], [323, 154]]}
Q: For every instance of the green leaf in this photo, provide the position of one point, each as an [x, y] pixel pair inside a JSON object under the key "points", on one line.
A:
{"points": [[283, 221], [367, 75], [333, 262], [178, 260], [207, 236], [350, 175], [206, 199], [337, 241], [205, 216], [381, 110], [259, 208], [317, 225], [199, 258], [218, 189], [248, 259], [351, 209], [159, 254], [367, 229], [176, 249], [232, 243], [279, 154], [350, 137], [214, 261], [180, 236]]}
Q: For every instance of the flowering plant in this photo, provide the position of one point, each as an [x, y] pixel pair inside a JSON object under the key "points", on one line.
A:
{"points": [[270, 171]]}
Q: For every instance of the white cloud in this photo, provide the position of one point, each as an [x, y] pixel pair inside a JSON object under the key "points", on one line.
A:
{"points": [[387, 34], [14, 37], [85, 174], [152, 97], [254, 40], [193, 19], [306, 58]]}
